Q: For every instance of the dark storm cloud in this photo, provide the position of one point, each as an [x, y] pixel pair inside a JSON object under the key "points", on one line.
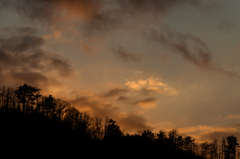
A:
{"points": [[20, 43], [104, 15], [29, 77], [52, 11], [27, 29], [16, 78], [125, 55], [114, 92], [153, 6], [96, 14], [37, 60], [35, 9], [21, 58], [188, 46]]}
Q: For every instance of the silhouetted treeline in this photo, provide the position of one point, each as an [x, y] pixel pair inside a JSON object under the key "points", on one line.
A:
{"points": [[33, 123]]}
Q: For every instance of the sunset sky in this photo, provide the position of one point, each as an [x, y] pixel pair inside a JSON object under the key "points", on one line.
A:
{"points": [[148, 64]]}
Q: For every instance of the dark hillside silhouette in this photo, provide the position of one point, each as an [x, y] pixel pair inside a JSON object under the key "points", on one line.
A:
{"points": [[33, 124]]}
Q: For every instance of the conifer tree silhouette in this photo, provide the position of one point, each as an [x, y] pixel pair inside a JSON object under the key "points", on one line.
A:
{"points": [[231, 147]]}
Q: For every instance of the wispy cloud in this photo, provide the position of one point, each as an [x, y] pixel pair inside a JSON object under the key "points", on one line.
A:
{"points": [[125, 55], [147, 103], [209, 133], [190, 47], [123, 98], [114, 92]]}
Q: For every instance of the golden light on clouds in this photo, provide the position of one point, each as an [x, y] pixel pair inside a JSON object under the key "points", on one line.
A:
{"points": [[206, 133], [151, 84], [44, 43], [57, 35], [84, 10]]}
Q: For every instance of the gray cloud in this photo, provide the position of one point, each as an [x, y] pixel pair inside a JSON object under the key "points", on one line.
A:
{"points": [[102, 15], [21, 42], [27, 29], [3, 58], [28, 77], [61, 65], [153, 6], [125, 55], [180, 44], [46, 11], [22, 60], [37, 60], [114, 92], [146, 101], [35, 9], [32, 78], [96, 14], [123, 98], [188, 46]]}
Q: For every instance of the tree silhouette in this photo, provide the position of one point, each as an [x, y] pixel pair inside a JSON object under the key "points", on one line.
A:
{"points": [[189, 143], [61, 107], [147, 136], [49, 105], [97, 129], [78, 121], [3, 90], [55, 124], [172, 137], [162, 137], [112, 130], [27, 95], [205, 149], [231, 147]]}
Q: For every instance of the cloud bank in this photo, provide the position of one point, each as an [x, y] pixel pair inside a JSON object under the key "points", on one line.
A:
{"points": [[102, 16], [95, 14], [23, 61], [97, 107]]}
